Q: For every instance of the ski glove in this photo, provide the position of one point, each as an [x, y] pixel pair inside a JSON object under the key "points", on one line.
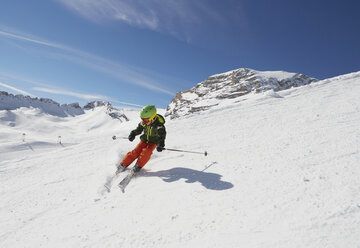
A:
{"points": [[131, 136], [160, 147]]}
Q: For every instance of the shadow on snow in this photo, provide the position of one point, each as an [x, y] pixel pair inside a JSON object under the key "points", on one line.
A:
{"points": [[208, 180]]}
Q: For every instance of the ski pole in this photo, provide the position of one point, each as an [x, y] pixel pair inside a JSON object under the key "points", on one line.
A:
{"points": [[114, 137], [176, 150]]}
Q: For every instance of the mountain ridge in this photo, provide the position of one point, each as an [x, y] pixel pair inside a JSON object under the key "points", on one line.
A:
{"points": [[10, 102], [230, 85]]}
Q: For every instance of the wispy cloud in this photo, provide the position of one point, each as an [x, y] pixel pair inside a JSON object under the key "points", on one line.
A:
{"points": [[182, 19], [27, 38], [16, 78], [71, 93], [48, 88], [16, 89], [126, 103], [84, 96], [117, 70], [127, 74], [126, 11]]}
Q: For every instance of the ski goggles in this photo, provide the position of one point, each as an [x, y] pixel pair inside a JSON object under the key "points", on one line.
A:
{"points": [[147, 120]]}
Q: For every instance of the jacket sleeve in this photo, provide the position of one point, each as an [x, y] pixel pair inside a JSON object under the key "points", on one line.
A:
{"points": [[138, 130], [162, 134]]}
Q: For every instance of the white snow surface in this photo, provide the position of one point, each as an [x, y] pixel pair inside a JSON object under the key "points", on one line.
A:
{"points": [[282, 171]]}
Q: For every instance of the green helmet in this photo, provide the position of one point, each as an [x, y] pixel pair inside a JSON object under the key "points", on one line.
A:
{"points": [[148, 112]]}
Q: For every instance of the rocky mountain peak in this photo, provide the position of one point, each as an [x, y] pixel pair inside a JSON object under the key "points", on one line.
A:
{"points": [[229, 85], [95, 104], [110, 110]]}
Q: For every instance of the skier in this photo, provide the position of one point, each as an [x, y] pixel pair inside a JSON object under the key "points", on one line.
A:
{"points": [[154, 134]]}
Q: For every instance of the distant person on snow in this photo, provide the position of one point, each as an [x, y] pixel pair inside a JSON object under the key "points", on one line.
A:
{"points": [[154, 134]]}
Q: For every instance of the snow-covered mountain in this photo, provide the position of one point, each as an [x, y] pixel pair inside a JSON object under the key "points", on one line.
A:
{"points": [[12, 102], [230, 85], [282, 171], [110, 110]]}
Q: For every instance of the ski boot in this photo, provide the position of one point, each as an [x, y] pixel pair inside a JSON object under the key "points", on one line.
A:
{"points": [[136, 168], [120, 168]]}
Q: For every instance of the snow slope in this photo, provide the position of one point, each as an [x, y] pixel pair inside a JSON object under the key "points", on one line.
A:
{"points": [[282, 171]]}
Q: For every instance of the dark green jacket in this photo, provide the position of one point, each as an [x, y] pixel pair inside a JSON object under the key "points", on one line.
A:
{"points": [[153, 133]]}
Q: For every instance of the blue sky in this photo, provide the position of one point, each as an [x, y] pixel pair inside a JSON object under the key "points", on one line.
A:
{"points": [[135, 52]]}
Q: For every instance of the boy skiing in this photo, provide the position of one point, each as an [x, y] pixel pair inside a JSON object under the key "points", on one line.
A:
{"points": [[154, 134]]}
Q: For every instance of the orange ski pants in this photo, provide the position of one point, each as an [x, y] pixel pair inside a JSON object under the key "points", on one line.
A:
{"points": [[142, 152]]}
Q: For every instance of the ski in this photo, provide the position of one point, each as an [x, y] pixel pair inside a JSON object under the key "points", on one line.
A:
{"points": [[111, 179], [122, 185]]}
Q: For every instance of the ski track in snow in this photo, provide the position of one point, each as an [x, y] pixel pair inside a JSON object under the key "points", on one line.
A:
{"points": [[282, 171]]}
